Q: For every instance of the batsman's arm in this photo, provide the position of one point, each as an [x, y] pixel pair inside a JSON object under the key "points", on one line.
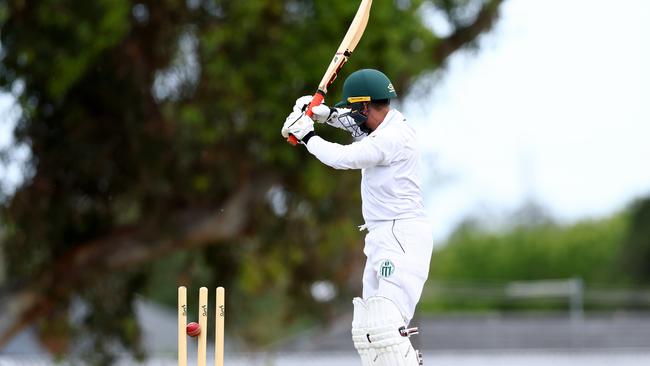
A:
{"points": [[358, 155]]}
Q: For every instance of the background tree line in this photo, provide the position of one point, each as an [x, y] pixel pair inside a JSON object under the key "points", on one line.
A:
{"points": [[610, 252]]}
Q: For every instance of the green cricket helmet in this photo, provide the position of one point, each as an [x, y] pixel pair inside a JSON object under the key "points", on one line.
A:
{"points": [[366, 85]]}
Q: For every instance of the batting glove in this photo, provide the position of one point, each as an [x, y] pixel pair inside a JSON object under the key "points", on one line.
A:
{"points": [[321, 113], [302, 103], [299, 125]]}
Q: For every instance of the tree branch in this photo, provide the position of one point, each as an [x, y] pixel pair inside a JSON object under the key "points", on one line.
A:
{"points": [[464, 35]]}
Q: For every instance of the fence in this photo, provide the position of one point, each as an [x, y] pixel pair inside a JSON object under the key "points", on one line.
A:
{"points": [[570, 293]]}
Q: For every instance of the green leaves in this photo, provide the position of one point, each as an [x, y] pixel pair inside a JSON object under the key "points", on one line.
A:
{"points": [[56, 42], [636, 256]]}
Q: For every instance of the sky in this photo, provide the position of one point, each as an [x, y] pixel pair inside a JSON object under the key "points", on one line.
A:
{"points": [[553, 108], [10, 172], [550, 109]]}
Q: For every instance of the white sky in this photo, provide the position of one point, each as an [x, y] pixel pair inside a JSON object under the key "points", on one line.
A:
{"points": [[554, 107], [10, 174]]}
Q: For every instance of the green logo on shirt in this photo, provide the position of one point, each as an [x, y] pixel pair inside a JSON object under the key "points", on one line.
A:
{"points": [[387, 268]]}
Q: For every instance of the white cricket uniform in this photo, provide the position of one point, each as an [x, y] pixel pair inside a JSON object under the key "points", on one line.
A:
{"points": [[399, 242]]}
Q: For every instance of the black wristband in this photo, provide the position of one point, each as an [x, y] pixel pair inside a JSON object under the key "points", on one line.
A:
{"points": [[309, 135]]}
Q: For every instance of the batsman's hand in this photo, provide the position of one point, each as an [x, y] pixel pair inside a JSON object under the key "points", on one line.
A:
{"points": [[302, 103], [321, 112], [297, 124]]}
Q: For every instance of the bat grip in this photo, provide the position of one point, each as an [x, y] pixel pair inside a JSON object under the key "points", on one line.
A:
{"points": [[318, 98]]}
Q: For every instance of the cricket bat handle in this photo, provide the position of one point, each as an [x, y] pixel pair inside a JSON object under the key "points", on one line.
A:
{"points": [[316, 100]]}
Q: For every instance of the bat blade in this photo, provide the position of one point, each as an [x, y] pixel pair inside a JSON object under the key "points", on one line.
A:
{"points": [[347, 46]]}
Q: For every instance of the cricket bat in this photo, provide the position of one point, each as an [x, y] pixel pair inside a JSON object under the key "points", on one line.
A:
{"points": [[341, 56]]}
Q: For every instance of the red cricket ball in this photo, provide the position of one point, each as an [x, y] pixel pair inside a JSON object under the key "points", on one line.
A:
{"points": [[193, 329]]}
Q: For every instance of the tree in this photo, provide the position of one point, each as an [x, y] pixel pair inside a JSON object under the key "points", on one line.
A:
{"points": [[636, 245], [154, 135]]}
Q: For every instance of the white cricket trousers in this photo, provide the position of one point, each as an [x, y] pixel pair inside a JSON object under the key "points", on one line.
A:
{"points": [[398, 254]]}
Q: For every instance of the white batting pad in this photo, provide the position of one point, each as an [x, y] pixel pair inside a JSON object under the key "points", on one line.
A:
{"points": [[386, 346]]}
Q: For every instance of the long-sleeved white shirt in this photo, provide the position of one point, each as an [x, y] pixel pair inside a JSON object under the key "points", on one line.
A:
{"points": [[389, 162]]}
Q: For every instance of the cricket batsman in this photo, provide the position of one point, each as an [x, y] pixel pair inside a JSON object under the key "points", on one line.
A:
{"points": [[399, 242]]}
